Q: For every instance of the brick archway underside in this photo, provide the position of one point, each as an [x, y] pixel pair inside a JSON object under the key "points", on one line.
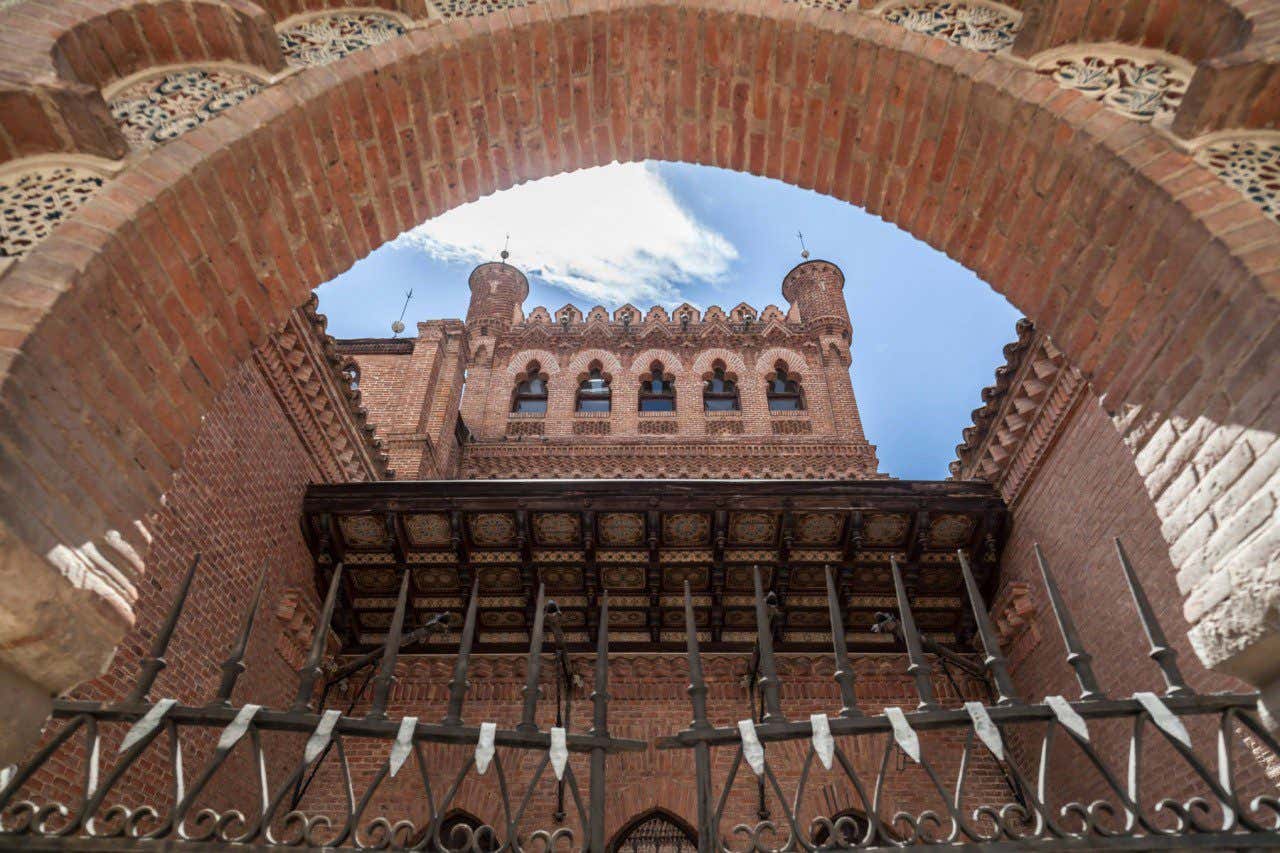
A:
{"points": [[120, 329]]}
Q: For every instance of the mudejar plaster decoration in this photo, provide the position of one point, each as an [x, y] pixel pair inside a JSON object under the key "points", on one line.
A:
{"points": [[321, 39], [34, 201], [1250, 165], [974, 26], [1141, 88], [158, 108]]}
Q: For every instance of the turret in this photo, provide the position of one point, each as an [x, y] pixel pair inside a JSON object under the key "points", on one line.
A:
{"points": [[497, 292], [817, 289]]}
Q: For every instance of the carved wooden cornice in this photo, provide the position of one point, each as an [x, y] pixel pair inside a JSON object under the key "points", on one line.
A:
{"points": [[317, 387], [1021, 415]]}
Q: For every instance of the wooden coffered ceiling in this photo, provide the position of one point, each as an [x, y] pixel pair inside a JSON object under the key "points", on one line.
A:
{"points": [[641, 540]]}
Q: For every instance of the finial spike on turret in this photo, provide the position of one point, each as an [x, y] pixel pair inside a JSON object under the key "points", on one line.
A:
{"points": [[506, 245], [804, 250]]}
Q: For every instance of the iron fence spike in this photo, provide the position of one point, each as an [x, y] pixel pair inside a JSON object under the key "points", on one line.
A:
{"points": [[458, 685], [768, 667], [527, 718], [390, 653], [697, 683], [1079, 659], [844, 676], [917, 667], [995, 661], [151, 665], [1164, 656], [233, 666], [310, 670]]}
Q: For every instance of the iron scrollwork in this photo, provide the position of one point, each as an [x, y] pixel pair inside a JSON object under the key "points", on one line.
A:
{"points": [[1127, 814], [267, 812]]}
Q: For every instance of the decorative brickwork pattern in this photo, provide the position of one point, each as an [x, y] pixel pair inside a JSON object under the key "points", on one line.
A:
{"points": [[154, 110], [34, 202], [1162, 294], [1136, 87], [475, 8], [326, 38], [1021, 414], [973, 26], [791, 426], [1251, 166], [525, 427], [591, 427], [319, 391], [654, 426]]}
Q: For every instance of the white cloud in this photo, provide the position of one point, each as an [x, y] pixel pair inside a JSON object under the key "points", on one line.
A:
{"points": [[610, 235]]}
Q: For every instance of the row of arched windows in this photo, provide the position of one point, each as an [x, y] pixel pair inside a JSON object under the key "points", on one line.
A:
{"points": [[658, 392]]}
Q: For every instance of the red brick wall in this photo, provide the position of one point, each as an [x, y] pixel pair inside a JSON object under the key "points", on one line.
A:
{"points": [[649, 701], [236, 501], [1087, 491], [415, 398]]}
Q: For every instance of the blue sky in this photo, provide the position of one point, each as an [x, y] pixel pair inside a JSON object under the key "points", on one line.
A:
{"points": [[927, 333]]}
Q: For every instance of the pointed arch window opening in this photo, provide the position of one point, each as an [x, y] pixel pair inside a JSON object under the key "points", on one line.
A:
{"points": [[658, 392], [655, 831], [594, 393], [720, 393], [783, 392], [530, 396]]}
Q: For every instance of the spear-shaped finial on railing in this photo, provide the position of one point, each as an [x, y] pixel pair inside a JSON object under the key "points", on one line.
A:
{"points": [[310, 671], [844, 676], [1164, 656], [600, 693], [768, 667], [154, 662], [918, 667], [233, 666], [390, 652], [458, 686], [994, 661], [697, 683], [599, 728], [527, 718], [1080, 660]]}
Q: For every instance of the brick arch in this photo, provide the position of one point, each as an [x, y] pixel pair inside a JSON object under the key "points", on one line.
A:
{"points": [[796, 362], [581, 361], [123, 326], [733, 363], [135, 36], [518, 362], [671, 363]]}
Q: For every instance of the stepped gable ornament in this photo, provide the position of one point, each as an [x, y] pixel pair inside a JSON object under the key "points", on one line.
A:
{"points": [[993, 395]]}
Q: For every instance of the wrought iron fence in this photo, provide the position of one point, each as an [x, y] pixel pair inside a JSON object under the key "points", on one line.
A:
{"points": [[101, 818], [1130, 815]]}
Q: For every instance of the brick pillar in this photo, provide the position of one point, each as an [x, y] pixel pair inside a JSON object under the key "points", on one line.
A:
{"points": [[816, 290]]}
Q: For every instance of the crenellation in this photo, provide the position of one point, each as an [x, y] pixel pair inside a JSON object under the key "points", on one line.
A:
{"points": [[567, 386]]}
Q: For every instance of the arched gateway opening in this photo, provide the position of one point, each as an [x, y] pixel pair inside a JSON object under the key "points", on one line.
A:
{"points": [[1156, 280]]}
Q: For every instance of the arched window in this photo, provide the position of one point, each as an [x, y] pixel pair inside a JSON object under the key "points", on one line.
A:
{"points": [[850, 826], [594, 394], [783, 391], [459, 826], [656, 831], [658, 392], [719, 393], [531, 392]]}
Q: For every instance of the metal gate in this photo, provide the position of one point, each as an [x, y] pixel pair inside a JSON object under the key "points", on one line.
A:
{"points": [[1121, 819], [264, 820], [1128, 815]]}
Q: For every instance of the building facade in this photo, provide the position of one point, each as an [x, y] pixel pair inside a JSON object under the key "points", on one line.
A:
{"points": [[622, 393]]}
